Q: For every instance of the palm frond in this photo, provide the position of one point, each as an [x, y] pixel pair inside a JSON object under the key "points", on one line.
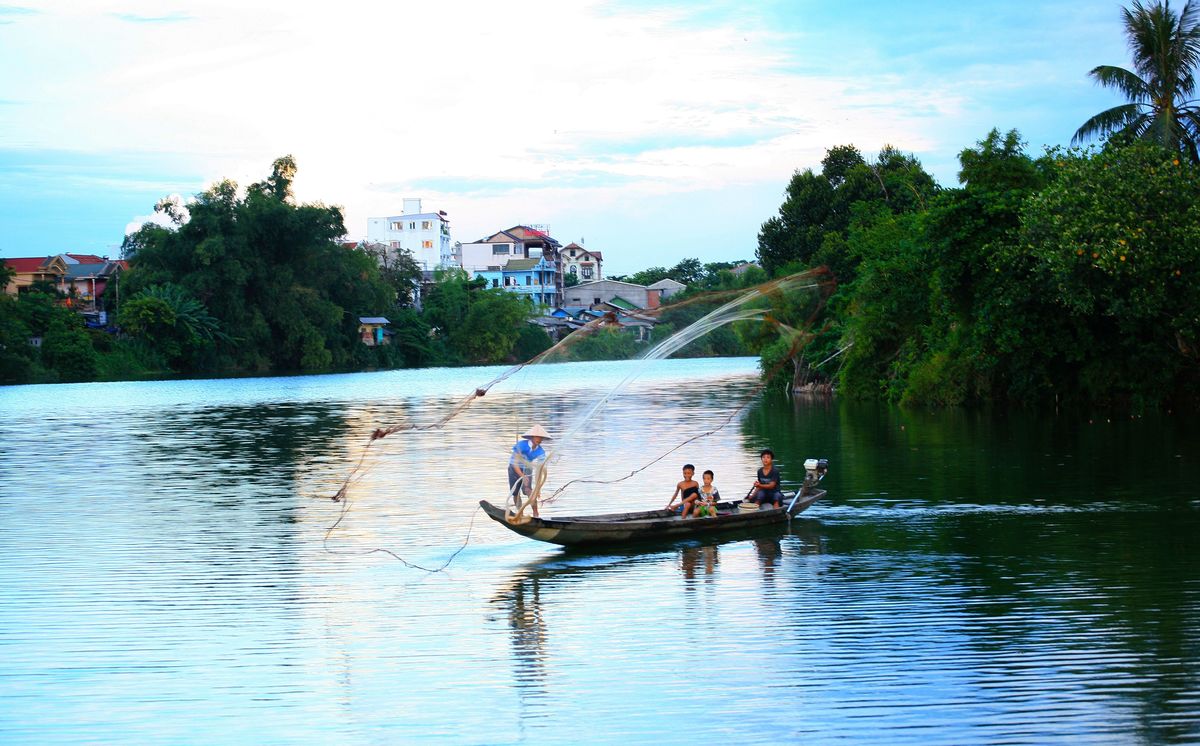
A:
{"points": [[1128, 83], [1189, 36], [1117, 119]]}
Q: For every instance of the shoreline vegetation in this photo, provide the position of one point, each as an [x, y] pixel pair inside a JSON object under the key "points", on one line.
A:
{"points": [[1066, 278], [1072, 277]]}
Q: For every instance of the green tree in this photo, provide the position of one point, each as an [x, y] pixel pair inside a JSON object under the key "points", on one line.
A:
{"points": [[1160, 88], [962, 231], [18, 358], [270, 271], [813, 221], [1114, 242], [688, 271], [171, 322], [605, 343], [67, 350], [890, 306], [399, 270], [7, 274], [532, 340], [647, 276], [492, 326]]}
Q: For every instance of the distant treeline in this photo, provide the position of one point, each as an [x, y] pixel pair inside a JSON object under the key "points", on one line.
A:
{"points": [[1067, 277], [255, 283], [1070, 277]]}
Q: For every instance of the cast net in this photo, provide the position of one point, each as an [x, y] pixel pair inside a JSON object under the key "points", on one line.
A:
{"points": [[798, 298]]}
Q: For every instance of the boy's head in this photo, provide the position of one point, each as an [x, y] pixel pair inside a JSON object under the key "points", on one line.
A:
{"points": [[708, 476], [688, 470], [767, 455]]}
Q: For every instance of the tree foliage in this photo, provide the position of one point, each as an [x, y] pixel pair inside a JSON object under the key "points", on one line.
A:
{"points": [[1068, 277], [270, 273], [1161, 88]]}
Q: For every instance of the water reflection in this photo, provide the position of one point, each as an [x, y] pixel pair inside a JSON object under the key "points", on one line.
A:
{"points": [[971, 577], [693, 557]]}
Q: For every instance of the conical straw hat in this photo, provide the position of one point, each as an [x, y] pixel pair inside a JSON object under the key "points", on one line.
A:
{"points": [[537, 431]]}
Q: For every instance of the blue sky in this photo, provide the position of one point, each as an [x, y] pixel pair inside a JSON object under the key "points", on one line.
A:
{"points": [[652, 131]]}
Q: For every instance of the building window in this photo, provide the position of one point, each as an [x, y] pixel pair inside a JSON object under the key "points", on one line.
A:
{"points": [[596, 300], [412, 226], [587, 273], [394, 244], [499, 248], [426, 224], [427, 244], [495, 283], [528, 279], [397, 225]]}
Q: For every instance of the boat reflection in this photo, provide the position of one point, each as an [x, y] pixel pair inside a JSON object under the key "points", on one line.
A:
{"points": [[556, 583]]}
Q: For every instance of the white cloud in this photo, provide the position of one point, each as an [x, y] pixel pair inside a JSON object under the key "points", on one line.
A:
{"points": [[379, 101]]}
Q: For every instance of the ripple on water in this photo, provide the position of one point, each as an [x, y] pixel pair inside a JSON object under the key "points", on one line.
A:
{"points": [[166, 577]]}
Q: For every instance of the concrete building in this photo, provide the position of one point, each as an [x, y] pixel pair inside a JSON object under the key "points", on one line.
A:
{"points": [[591, 294], [489, 257], [426, 235], [584, 264], [668, 287]]}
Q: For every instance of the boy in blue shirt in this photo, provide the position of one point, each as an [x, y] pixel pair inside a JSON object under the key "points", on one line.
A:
{"points": [[766, 487]]}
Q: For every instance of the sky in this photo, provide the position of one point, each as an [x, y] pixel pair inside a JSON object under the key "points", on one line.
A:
{"points": [[649, 131]]}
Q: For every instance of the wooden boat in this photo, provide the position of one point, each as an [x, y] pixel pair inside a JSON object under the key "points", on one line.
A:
{"points": [[615, 528]]}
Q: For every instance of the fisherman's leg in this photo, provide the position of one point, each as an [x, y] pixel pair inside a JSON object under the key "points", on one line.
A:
{"points": [[527, 487], [514, 482]]}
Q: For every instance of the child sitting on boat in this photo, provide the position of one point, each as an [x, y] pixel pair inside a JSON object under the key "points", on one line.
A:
{"points": [[766, 487], [708, 496], [688, 490]]}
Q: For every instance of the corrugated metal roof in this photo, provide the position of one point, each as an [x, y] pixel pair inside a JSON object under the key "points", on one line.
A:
{"points": [[620, 302]]}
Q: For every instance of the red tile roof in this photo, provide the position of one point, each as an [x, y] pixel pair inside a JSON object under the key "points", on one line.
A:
{"points": [[88, 258], [26, 264]]}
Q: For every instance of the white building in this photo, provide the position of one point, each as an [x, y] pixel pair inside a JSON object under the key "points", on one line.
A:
{"points": [[424, 234], [584, 264]]}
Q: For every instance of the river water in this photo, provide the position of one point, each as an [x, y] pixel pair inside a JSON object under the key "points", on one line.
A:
{"points": [[168, 574]]}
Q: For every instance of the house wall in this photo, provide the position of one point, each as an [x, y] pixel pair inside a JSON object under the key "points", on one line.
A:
{"points": [[585, 294], [51, 273], [477, 257], [537, 283], [430, 246], [581, 259]]}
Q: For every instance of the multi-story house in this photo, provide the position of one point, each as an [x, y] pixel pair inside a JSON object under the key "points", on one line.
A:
{"points": [[490, 257], [426, 235], [584, 264]]}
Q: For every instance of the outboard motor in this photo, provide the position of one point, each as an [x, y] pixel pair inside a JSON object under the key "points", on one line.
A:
{"points": [[815, 470]]}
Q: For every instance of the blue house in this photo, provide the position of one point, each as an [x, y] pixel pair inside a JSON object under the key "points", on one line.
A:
{"points": [[530, 278]]}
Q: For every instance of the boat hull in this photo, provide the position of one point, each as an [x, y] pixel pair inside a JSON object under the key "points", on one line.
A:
{"points": [[618, 528]]}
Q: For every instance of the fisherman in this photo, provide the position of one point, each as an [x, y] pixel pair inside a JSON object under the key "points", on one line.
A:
{"points": [[525, 456]]}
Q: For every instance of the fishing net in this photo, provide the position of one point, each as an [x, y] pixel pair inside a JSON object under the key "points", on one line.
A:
{"points": [[799, 297]]}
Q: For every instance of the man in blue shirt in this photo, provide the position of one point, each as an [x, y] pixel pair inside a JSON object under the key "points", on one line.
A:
{"points": [[526, 454]]}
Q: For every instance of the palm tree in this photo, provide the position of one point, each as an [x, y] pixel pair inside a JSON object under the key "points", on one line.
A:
{"points": [[1166, 53]]}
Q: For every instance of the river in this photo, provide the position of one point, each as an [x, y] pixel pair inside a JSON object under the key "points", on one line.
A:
{"points": [[168, 573]]}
